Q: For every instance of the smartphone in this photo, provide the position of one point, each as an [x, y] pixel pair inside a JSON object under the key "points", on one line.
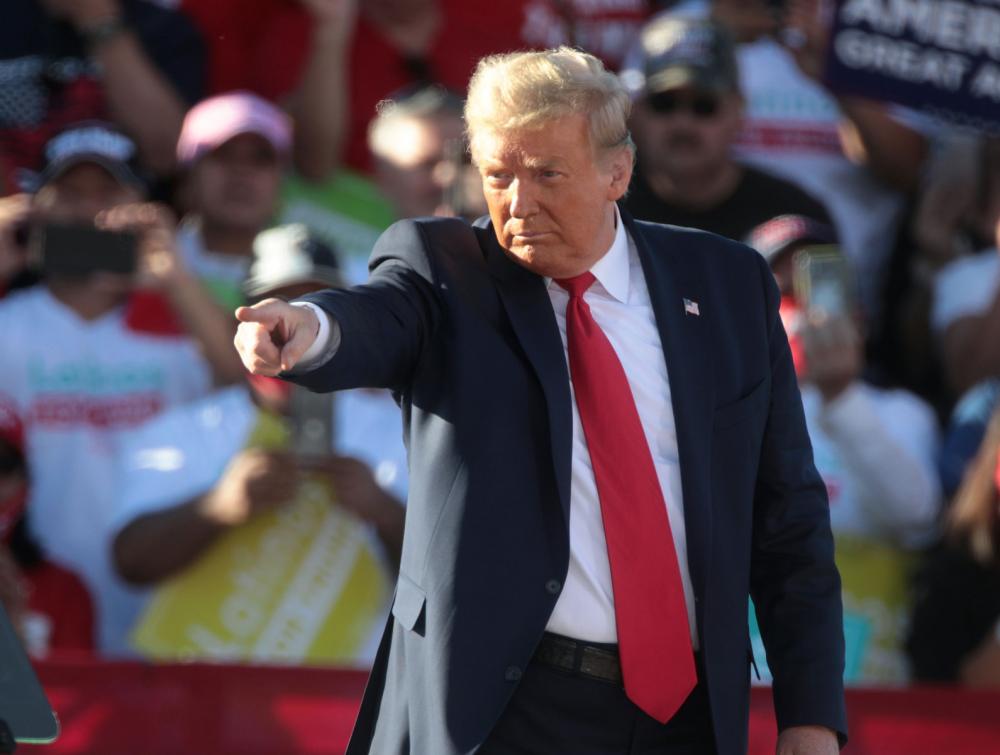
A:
{"points": [[311, 417], [823, 281], [71, 250]]}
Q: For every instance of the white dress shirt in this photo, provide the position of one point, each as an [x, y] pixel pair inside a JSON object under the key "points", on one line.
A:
{"points": [[619, 303]]}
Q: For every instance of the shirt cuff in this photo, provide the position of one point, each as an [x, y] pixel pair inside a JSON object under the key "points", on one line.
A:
{"points": [[326, 343]]}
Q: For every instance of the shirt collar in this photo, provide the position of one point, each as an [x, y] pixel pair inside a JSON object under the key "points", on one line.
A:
{"points": [[612, 269]]}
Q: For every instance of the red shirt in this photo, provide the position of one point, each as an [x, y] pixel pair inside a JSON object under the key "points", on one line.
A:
{"points": [[263, 45], [257, 45], [59, 611]]}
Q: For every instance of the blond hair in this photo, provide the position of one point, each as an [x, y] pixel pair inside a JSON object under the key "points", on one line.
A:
{"points": [[524, 90]]}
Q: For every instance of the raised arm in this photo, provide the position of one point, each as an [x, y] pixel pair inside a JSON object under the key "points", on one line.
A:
{"points": [[140, 96], [161, 268], [319, 106], [869, 135]]}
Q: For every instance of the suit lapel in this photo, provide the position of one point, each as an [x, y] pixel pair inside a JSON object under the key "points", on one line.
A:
{"points": [[686, 345], [685, 337], [530, 313]]}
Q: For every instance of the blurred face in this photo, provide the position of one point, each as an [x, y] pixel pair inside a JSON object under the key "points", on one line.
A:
{"points": [[236, 185], [80, 193], [686, 132], [550, 196], [408, 174]]}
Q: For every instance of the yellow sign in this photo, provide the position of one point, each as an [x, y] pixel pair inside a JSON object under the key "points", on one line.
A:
{"points": [[298, 584]]}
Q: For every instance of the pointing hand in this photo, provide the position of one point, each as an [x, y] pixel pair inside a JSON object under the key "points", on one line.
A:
{"points": [[273, 335]]}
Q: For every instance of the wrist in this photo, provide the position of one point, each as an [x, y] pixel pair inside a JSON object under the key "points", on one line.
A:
{"points": [[218, 512]]}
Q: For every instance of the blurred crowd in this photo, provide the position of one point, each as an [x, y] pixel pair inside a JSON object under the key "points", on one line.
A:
{"points": [[164, 161]]}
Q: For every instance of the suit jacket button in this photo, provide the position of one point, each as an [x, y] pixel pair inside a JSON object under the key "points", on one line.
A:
{"points": [[512, 674], [553, 586]]}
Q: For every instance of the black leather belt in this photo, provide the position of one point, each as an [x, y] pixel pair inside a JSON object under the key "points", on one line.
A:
{"points": [[581, 658]]}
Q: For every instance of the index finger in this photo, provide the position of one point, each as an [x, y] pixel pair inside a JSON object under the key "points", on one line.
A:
{"points": [[263, 312]]}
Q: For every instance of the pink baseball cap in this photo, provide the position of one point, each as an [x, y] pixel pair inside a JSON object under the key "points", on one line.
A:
{"points": [[213, 122]]}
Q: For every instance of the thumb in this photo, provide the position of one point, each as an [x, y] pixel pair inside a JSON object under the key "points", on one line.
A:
{"points": [[297, 345], [305, 328]]}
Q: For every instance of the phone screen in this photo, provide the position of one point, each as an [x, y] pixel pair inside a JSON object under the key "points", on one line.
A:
{"points": [[822, 281], [77, 250]]}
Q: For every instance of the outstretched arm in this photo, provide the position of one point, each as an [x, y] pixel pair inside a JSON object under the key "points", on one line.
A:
{"points": [[378, 331]]}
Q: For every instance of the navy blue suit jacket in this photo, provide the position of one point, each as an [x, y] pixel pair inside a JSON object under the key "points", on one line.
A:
{"points": [[468, 341]]}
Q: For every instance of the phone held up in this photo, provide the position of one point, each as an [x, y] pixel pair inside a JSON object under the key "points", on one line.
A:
{"points": [[311, 424], [76, 250], [823, 281]]}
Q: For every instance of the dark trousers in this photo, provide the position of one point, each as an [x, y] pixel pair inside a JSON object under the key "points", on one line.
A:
{"points": [[554, 712]]}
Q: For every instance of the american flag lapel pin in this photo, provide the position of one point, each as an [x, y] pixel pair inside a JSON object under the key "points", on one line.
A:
{"points": [[691, 308]]}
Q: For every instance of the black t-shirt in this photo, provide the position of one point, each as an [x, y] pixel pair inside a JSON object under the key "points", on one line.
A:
{"points": [[758, 197], [47, 81], [956, 605]]}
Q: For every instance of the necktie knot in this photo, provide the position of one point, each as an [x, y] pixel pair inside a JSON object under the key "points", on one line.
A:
{"points": [[578, 284]]}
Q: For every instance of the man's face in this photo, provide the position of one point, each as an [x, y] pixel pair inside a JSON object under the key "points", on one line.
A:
{"points": [[550, 195], [80, 193], [408, 174], [236, 185], [687, 131]]}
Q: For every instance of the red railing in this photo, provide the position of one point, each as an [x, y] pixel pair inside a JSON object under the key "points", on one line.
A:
{"points": [[126, 708]]}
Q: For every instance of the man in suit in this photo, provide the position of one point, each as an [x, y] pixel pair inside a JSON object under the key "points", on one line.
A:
{"points": [[607, 455]]}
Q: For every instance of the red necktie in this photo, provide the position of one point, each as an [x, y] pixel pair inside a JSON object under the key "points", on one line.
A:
{"points": [[654, 640]]}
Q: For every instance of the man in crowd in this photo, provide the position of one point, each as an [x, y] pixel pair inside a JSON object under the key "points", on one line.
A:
{"points": [[581, 533], [232, 459], [234, 149], [81, 358], [688, 113], [418, 147]]}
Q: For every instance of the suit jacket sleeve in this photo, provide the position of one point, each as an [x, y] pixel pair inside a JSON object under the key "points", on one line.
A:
{"points": [[386, 324], [793, 580]]}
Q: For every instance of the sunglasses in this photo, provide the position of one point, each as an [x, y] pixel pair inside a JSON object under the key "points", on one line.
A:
{"points": [[700, 105]]}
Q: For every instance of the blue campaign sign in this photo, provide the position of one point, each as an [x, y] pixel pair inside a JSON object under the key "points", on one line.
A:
{"points": [[941, 57]]}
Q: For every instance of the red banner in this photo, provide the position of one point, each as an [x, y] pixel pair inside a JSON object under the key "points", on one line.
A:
{"points": [[130, 708]]}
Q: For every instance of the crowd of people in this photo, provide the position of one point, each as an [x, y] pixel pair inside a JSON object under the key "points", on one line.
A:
{"points": [[165, 161]]}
